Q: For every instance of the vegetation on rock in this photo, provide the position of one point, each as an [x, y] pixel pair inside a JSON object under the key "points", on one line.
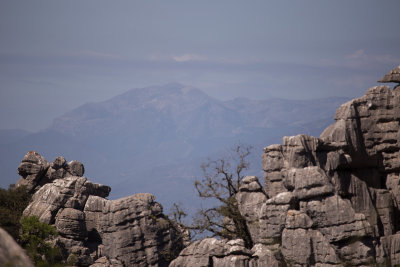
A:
{"points": [[221, 181], [29, 232], [12, 203], [34, 238]]}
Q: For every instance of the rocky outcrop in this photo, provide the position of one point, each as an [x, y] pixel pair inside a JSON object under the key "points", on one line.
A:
{"points": [[345, 182], [327, 201], [132, 230], [35, 171], [214, 252], [11, 254], [392, 76], [95, 231]]}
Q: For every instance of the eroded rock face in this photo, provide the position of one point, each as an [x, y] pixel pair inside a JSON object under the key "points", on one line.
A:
{"points": [[392, 76], [70, 192], [93, 230], [11, 254], [346, 182], [132, 230], [35, 171], [224, 253], [31, 169], [327, 201]]}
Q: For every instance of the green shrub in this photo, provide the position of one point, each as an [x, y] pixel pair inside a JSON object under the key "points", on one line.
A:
{"points": [[12, 203], [34, 236]]}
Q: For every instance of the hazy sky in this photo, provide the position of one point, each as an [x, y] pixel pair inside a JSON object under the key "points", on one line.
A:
{"points": [[57, 55]]}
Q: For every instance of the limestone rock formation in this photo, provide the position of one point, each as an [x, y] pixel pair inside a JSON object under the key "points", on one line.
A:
{"points": [[327, 201], [223, 253], [11, 254], [346, 181], [93, 230], [35, 171], [392, 76]]}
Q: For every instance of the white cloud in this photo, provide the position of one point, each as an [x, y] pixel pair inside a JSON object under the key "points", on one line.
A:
{"points": [[189, 57], [360, 57], [357, 55]]}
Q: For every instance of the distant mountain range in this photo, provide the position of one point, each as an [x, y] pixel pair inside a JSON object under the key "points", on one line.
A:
{"points": [[154, 139]]}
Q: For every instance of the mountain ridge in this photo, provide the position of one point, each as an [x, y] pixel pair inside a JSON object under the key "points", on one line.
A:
{"points": [[336, 194], [163, 129]]}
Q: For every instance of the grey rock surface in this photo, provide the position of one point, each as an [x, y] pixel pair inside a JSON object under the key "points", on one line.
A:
{"points": [[308, 182], [327, 201], [132, 229], [70, 192], [93, 230], [250, 198], [11, 254], [35, 171], [392, 76], [272, 218], [32, 168], [224, 253], [75, 168]]}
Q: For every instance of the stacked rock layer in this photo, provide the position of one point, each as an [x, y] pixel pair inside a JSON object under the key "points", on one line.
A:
{"points": [[327, 201], [95, 231]]}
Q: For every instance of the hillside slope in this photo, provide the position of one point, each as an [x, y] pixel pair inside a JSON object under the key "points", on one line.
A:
{"points": [[147, 138]]}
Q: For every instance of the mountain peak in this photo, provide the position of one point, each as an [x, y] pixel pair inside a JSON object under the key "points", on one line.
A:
{"points": [[167, 91], [173, 100]]}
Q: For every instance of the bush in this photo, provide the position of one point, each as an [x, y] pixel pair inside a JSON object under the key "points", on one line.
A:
{"points": [[34, 236], [29, 232], [12, 203]]}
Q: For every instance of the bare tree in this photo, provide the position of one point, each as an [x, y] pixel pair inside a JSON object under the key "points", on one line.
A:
{"points": [[176, 218], [221, 181]]}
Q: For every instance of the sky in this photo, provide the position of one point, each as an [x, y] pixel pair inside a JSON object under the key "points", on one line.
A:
{"points": [[57, 55]]}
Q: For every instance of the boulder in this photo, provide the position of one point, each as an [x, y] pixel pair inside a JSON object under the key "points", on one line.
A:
{"points": [[35, 171], [70, 223], [272, 218], [336, 219], [392, 76], [75, 168], [70, 192], [132, 229], [32, 169], [388, 253], [93, 230], [224, 253], [308, 182], [11, 254], [250, 199]]}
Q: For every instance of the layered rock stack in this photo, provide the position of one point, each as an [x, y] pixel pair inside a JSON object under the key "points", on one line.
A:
{"points": [[392, 76], [95, 231], [327, 201], [35, 171]]}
